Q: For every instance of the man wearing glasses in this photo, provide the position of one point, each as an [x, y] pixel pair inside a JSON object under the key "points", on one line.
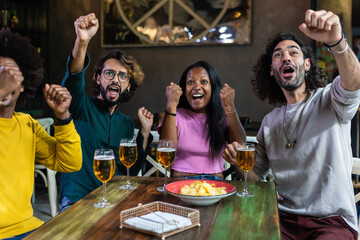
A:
{"points": [[98, 121]]}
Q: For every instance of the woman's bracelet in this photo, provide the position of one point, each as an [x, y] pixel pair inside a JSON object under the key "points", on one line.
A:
{"points": [[227, 113], [225, 116], [172, 114]]}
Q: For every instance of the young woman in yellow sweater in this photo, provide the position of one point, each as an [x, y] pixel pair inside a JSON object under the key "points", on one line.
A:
{"points": [[23, 139]]}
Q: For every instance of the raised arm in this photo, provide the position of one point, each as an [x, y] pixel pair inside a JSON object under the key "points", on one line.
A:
{"points": [[62, 152], [236, 131], [325, 27], [58, 98], [85, 28], [168, 129], [146, 119]]}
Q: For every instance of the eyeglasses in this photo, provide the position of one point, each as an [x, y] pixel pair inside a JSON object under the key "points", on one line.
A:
{"points": [[122, 76]]}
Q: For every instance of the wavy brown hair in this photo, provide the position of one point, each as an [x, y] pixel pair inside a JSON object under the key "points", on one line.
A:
{"points": [[19, 48], [265, 86], [133, 68]]}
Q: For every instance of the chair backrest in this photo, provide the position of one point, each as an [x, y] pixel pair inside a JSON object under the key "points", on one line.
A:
{"points": [[156, 137], [251, 139], [136, 132], [244, 121], [155, 134], [46, 123], [50, 179], [356, 166]]}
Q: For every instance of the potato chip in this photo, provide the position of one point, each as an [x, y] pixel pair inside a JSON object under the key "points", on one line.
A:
{"points": [[202, 188]]}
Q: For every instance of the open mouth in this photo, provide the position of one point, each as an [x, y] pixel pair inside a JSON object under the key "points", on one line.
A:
{"points": [[197, 96], [6, 101], [287, 71], [113, 91]]}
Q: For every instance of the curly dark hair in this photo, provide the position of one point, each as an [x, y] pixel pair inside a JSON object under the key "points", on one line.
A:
{"points": [[265, 86], [19, 48], [133, 68], [215, 112]]}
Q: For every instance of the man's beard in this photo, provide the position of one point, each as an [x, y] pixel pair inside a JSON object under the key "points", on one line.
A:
{"points": [[292, 85], [110, 102]]}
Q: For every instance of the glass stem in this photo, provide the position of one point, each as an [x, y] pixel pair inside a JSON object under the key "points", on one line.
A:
{"points": [[245, 174], [104, 192], [165, 180], [128, 173]]}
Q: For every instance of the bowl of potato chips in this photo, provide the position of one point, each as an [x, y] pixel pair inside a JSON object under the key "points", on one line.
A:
{"points": [[200, 192]]}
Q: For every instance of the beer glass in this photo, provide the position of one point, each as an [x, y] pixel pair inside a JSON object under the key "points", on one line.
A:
{"points": [[165, 155], [128, 154], [104, 169], [245, 156]]}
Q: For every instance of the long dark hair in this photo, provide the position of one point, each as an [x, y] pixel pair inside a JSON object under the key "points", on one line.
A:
{"points": [[129, 62], [216, 134], [265, 86]]}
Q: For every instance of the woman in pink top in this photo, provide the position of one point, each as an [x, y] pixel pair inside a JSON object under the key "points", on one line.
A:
{"points": [[201, 118]]}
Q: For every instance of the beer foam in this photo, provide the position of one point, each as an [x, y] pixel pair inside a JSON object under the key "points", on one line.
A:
{"points": [[166, 150], [245, 149], [128, 144], [104, 157]]}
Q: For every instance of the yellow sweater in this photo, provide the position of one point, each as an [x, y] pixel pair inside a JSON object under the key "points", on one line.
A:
{"points": [[22, 140]]}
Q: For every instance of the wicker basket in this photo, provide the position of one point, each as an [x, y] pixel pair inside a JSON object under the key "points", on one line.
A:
{"points": [[141, 210]]}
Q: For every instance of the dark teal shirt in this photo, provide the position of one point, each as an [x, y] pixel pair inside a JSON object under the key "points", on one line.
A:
{"points": [[97, 129]]}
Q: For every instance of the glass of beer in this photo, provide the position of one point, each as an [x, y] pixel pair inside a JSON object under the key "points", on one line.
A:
{"points": [[245, 156], [165, 155], [104, 169], [128, 154]]}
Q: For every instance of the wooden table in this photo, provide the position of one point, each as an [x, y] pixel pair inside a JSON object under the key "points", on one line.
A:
{"points": [[231, 218]]}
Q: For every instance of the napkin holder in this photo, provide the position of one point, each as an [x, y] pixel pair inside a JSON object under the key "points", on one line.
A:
{"points": [[142, 210]]}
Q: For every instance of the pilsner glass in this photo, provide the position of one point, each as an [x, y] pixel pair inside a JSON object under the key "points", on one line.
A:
{"points": [[128, 154], [245, 155], [104, 169], [165, 155]]}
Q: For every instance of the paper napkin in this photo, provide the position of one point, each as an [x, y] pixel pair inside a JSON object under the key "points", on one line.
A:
{"points": [[159, 222]]}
